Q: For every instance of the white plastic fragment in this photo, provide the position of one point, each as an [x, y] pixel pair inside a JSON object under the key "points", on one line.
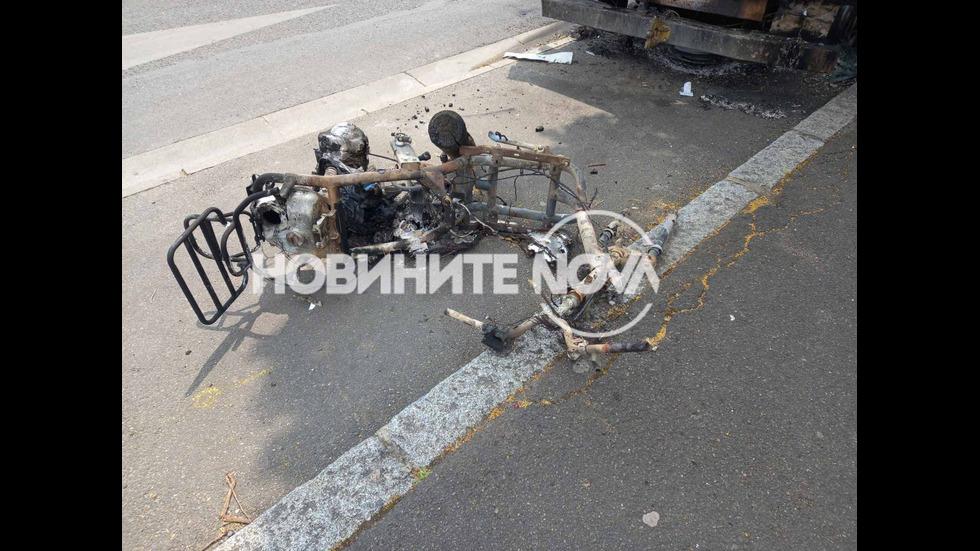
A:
{"points": [[651, 519], [731, 316], [560, 57], [686, 90]]}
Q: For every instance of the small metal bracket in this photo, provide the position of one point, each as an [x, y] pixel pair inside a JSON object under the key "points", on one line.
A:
{"points": [[659, 33], [401, 146]]}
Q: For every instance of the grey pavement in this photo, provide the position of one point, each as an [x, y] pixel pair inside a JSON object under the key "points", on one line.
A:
{"points": [[739, 432], [140, 16], [253, 74], [275, 391]]}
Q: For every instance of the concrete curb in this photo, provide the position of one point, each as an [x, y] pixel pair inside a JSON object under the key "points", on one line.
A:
{"points": [[357, 486], [704, 215], [444, 415], [159, 166], [329, 508]]}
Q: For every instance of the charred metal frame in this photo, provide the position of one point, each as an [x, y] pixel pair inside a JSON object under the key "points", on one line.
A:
{"points": [[218, 254], [458, 210], [753, 46]]}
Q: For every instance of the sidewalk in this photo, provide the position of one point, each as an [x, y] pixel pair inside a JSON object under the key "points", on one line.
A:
{"points": [[740, 431]]}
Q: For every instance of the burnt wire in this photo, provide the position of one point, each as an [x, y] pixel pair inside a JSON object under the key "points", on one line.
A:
{"points": [[565, 188], [557, 181], [518, 177], [383, 157]]}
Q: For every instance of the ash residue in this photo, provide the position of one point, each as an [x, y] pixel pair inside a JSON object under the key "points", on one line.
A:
{"points": [[614, 45], [608, 44], [753, 88], [582, 32], [724, 67], [743, 106]]}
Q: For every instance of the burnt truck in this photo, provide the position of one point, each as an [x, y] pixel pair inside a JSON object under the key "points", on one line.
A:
{"points": [[818, 36]]}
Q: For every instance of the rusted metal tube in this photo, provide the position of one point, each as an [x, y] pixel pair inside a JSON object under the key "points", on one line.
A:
{"points": [[586, 233], [515, 154], [523, 327], [616, 347], [574, 346], [513, 212], [552, 203], [531, 160], [464, 318], [660, 235], [492, 194], [579, 179], [334, 240], [608, 234], [569, 302], [500, 138], [362, 178]]}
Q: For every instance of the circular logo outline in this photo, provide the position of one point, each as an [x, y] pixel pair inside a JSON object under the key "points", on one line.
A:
{"points": [[643, 237]]}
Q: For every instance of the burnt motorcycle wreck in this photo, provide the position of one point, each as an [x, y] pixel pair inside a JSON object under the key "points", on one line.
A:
{"points": [[347, 206]]}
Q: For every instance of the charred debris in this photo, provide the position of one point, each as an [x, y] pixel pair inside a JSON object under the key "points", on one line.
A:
{"points": [[348, 206]]}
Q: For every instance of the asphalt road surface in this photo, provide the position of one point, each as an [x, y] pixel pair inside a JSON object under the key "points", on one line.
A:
{"points": [[740, 431], [275, 391], [350, 43]]}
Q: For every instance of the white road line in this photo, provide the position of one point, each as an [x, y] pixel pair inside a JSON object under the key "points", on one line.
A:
{"points": [[145, 47]]}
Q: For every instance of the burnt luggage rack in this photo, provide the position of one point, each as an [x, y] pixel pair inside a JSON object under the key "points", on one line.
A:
{"points": [[229, 266]]}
